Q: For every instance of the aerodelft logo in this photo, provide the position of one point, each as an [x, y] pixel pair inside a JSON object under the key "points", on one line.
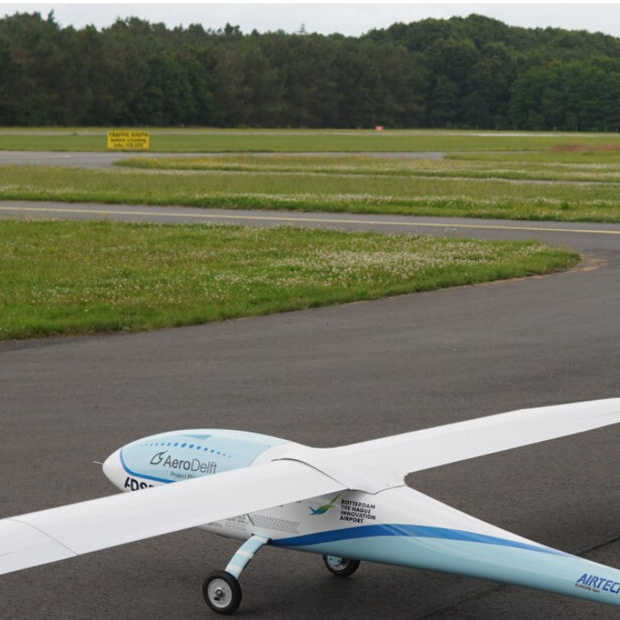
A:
{"points": [[158, 458], [192, 465], [321, 510]]}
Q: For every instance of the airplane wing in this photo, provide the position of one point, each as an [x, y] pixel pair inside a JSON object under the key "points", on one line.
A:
{"points": [[372, 466], [58, 533], [422, 532]]}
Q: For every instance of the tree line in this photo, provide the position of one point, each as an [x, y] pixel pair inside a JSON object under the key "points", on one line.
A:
{"points": [[472, 72]]}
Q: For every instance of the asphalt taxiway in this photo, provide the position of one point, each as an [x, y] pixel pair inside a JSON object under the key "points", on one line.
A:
{"points": [[326, 377], [105, 159]]}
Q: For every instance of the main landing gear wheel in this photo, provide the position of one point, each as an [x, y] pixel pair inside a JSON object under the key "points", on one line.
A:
{"points": [[222, 592], [342, 567]]}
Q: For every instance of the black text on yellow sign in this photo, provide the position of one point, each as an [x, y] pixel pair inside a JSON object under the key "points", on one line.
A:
{"points": [[129, 140]]}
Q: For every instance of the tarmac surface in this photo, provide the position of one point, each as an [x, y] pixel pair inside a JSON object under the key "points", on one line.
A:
{"points": [[326, 377], [105, 159]]}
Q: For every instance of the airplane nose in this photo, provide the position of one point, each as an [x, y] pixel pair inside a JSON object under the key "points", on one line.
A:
{"points": [[113, 469]]}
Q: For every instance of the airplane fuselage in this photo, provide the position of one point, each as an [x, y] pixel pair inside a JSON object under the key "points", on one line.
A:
{"points": [[395, 525]]}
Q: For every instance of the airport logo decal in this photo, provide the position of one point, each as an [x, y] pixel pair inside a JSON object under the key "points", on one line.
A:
{"points": [[321, 510]]}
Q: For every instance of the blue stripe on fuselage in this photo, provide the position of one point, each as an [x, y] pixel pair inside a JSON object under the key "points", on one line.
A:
{"points": [[417, 531]]}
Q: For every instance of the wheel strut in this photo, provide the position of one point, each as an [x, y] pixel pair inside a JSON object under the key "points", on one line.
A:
{"points": [[221, 589]]}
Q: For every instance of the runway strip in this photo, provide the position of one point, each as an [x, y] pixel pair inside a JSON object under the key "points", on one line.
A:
{"points": [[187, 214]]}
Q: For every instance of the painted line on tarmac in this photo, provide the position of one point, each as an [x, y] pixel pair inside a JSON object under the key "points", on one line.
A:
{"points": [[315, 220]]}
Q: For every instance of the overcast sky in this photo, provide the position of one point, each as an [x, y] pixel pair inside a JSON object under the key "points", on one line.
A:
{"points": [[346, 18]]}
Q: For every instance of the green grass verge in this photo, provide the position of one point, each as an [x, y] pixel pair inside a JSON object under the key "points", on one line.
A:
{"points": [[83, 277], [473, 166], [374, 193], [201, 140], [589, 158]]}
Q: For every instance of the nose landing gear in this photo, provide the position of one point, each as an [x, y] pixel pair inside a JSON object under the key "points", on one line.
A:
{"points": [[221, 589]]}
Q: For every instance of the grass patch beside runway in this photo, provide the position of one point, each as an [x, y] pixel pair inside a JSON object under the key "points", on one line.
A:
{"points": [[334, 191], [585, 158], [214, 140], [544, 166], [83, 277]]}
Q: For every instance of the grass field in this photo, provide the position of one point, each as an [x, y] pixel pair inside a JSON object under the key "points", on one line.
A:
{"points": [[82, 277], [213, 140], [533, 176], [518, 175], [544, 166], [441, 188]]}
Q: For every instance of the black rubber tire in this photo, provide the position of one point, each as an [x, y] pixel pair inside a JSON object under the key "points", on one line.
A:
{"points": [[233, 593], [344, 569]]}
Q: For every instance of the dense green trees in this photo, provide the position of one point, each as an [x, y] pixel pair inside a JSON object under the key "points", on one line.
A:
{"points": [[572, 95], [472, 72]]}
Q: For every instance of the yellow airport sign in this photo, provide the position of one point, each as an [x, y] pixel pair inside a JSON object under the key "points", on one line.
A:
{"points": [[129, 140]]}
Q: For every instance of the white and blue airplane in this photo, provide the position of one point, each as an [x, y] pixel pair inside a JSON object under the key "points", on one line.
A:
{"points": [[348, 504]]}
